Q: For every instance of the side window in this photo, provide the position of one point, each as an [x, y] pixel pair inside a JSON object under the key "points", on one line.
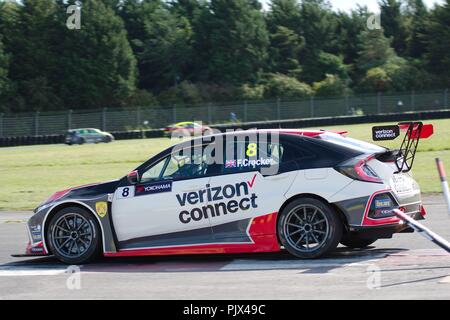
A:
{"points": [[186, 165], [153, 174]]}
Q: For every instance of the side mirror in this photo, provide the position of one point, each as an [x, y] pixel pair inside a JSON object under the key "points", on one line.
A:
{"points": [[133, 177]]}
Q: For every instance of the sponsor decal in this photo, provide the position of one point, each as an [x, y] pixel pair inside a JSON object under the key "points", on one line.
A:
{"points": [[222, 200], [381, 133], [101, 208], [36, 233], [153, 188], [253, 163], [36, 237], [383, 203], [36, 250], [36, 228], [382, 213], [230, 164]]}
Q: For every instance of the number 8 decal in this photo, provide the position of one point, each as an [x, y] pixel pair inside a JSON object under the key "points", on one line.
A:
{"points": [[251, 150], [125, 192]]}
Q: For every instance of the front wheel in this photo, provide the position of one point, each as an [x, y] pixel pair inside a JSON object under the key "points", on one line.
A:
{"points": [[309, 228], [73, 236]]}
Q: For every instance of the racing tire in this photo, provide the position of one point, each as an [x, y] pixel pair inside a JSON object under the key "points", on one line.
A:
{"points": [[309, 228], [354, 241], [73, 236]]}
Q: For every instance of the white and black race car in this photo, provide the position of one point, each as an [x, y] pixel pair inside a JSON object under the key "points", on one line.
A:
{"points": [[249, 191]]}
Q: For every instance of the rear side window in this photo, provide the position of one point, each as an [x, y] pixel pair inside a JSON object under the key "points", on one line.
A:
{"points": [[244, 156], [313, 153]]}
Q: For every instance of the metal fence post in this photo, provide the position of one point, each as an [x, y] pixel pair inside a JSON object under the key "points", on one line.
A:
{"points": [[278, 109], [413, 100], [69, 119], [446, 98], [36, 123], [379, 102], [245, 111], [347, 106], [311, 106], [104, 119], [138, 117], [1, 124], [174, 113], [209, 113]]}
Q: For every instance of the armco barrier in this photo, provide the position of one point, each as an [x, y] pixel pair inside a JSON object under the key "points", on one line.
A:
{"points": [[294, 123], [31, 140], [343, 120]]}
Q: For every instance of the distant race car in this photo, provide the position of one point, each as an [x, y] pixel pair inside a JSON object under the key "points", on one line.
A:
{"points": [[327, 189], [186, 128], [81, 136]]}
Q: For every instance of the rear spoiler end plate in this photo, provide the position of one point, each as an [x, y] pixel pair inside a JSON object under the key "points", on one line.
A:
{"points": [[414, 132]]}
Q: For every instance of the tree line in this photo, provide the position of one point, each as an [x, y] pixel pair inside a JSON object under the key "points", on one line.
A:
{"points": [[187, 52]]}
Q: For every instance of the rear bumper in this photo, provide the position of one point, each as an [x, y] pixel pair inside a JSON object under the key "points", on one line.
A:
{"points": [[375, 211], [384, 231]]}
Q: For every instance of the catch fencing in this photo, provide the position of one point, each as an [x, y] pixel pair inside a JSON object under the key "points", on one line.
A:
{"points": [[139, 118]]}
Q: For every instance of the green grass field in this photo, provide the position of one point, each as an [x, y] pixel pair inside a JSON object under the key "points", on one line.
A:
{"points": [[29, 174]]}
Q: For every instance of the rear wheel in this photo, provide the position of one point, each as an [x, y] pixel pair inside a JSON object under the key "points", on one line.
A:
{"points": [[73, 236], [355, 241], [309, 228]]}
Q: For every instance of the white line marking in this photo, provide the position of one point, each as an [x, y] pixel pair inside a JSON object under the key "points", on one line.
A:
{"points": [[15, 271], [246, 264]]}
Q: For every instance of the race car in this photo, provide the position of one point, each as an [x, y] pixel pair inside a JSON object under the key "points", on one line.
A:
{"points": [[90, 135], [187, 128], [304, 191]]}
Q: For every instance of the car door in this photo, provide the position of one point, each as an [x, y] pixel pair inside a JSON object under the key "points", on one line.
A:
{"points": [[164, 208], [257, 178], [93, 136]]}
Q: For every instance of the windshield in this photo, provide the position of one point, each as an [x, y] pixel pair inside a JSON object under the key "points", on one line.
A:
{"points": [[355, 144]]}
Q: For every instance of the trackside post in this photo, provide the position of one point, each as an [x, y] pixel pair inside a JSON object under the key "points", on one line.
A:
{"points": [[424, 231], [442, 176]]}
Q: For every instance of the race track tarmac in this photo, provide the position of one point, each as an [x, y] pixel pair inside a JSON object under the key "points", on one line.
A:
{"points": [[405, 267]]}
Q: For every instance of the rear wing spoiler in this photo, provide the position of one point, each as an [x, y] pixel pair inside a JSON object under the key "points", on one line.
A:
{"points": [[414, 131]]}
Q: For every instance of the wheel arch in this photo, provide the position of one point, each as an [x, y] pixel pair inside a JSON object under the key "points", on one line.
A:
{"points": [[340, 213], [60, 206]]}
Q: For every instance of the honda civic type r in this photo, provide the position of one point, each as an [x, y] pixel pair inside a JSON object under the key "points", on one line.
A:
{"points": [[304, 191]]}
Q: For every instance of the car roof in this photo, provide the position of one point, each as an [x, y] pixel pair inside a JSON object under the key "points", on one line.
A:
{"points": [[297, 132], [178, 124], [84, 129]]}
